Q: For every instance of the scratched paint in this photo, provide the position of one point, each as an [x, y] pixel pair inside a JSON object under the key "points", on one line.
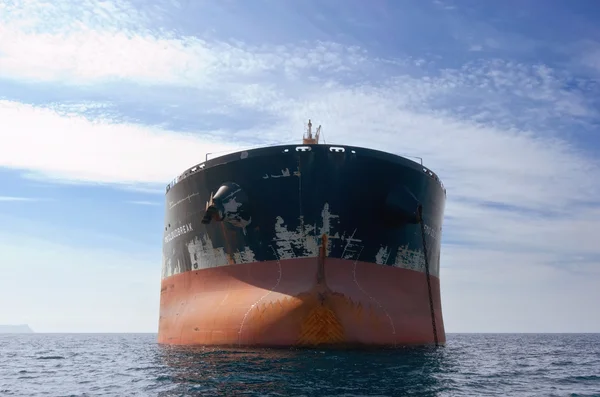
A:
{"points": [[382, 255], [409, 259], [353, 248], [429, 231], [302, 241], [204, 255], [231, 206], [327, 217], [413, 259], [305, 239], [172, 266], [286, 240], [273, 210], [245, 256], [166, 266], [284, 174], [176, 203], [232, 213]]}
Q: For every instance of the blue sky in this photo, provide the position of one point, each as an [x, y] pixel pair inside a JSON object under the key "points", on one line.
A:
{"points": [[102, 103]]}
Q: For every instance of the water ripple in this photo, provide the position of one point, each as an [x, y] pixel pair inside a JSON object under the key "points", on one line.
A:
{"points": [[134, 365]]}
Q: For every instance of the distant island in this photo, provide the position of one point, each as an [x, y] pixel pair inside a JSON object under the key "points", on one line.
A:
{"points": [[15, 329]]}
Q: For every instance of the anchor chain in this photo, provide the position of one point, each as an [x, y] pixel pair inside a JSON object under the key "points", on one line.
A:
{"points": [[435, 336]]}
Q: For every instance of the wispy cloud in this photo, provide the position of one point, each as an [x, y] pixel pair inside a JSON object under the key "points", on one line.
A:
{"points": [[74, 50], [14, 198], [141, 202], [444, 5], [97, 151]]}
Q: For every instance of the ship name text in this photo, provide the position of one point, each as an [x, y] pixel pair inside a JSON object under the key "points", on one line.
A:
{"points": [[181, 230]]}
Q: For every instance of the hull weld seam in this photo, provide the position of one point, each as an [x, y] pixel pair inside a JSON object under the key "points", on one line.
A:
{"points": [[373, 299], [263, 297]]}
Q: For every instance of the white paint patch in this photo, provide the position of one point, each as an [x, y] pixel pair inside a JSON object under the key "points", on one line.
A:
{"points": [[311, 242], [231, 212], [244, 155], [204, 255], [429, 231], [306, 239], [245, 256], [284, 174], [286, 240], [382, 255], [410, 259], [231, 206], [327, 216]]}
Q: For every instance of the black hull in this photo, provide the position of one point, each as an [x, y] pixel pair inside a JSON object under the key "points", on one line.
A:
{"points": [[289, 197]]}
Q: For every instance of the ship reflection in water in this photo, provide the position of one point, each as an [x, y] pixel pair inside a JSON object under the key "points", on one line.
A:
{"points": [[299, 372]]}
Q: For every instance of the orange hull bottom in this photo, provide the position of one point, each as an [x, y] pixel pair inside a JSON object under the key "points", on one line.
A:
{"points": [[288, 303]]}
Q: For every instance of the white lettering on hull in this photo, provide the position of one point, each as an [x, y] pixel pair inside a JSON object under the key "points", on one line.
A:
{"points": [[181, 230], [189, 198]]}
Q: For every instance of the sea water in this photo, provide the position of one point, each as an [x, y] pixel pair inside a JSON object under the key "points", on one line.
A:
{"points": [[135, 365]]}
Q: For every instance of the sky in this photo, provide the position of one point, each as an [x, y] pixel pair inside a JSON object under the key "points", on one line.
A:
{"points": [[103, 103]]}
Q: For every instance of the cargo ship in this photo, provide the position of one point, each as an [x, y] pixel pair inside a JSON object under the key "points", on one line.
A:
{"points": [[303, 245]]}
